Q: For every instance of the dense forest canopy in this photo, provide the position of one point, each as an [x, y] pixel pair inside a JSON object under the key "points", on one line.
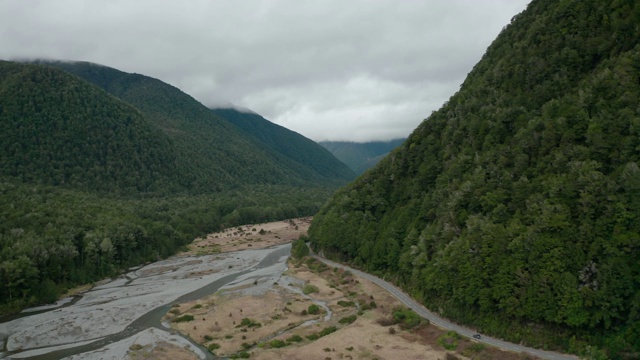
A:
{"points": [[212, 153], [515, 207], [287, 144], [94, 179]]}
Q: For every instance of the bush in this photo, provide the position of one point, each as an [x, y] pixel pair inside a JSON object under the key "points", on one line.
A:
{"points": [[308, 289], [213, 347], [183, 318], [208, 337], [328, 330], [299, 249], [249, 323], [407, 318], [294, 338], [313, 337], [313, 309], [449, 340], [346, 303], [277, 344], [240, 355], [348, 319]]}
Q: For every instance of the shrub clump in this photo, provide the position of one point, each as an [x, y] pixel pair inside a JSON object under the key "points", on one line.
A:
{"points": [[249, 323], [313, 309], [277, 344], [308, 289], [449, 340], [294, 338], [183, 318], [348, 319]]}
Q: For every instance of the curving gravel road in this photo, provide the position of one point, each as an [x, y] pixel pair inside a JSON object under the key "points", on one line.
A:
{"points": [[445, 324]]}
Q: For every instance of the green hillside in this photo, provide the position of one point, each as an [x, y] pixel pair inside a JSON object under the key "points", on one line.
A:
{"points": [[56, 129], [515, 207], [361, 156], [92, 183], [288, 144], [212, 153]]}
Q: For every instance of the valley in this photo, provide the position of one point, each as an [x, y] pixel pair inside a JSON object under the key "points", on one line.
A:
{"points": [[240, 296]]}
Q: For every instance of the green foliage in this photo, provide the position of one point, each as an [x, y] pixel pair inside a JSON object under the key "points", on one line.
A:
{"points": [[316, 266], [96, 179], [313, 336], [309, 289], [328, 330], [299, 248], [87, 236], [277, 343], [59, 130], [249, 323], [241, 355], [348, 319], [313, 309], [183, 318], [449, 340], [346, 303], [213, 153], [294, 338], [406, 317], [515, 203], [304, 152]]}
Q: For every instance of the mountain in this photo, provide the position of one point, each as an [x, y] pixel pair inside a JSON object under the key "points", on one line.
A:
{"points": [[212, 154], [361, 156], [287, 144], [514, 207], [100, 175], [59, 130]]}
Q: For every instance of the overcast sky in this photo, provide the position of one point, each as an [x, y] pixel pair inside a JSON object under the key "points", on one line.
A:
{"points": [[331, 69]]}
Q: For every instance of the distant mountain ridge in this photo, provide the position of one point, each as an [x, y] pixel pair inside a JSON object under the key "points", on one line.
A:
{"points": [[212, 154], [361, 156], [285, 142]]}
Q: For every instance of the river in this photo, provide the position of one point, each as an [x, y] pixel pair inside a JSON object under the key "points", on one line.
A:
{"points": [[128, 306]]}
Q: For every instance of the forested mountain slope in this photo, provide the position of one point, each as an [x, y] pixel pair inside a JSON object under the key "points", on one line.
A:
{"points": [[361, 156], [212, 154], [287, 144], [92, 182], [515, 207], [56, 129]]}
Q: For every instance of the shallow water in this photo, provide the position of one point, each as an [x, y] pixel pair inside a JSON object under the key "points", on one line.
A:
{"points": [[153, 317]]}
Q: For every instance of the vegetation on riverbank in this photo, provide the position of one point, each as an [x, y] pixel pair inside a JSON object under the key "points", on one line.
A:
{"points": [[53, 239], [514, 207]]}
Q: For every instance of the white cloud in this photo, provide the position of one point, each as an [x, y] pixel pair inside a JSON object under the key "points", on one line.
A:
{"points": [[331, 69]]}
